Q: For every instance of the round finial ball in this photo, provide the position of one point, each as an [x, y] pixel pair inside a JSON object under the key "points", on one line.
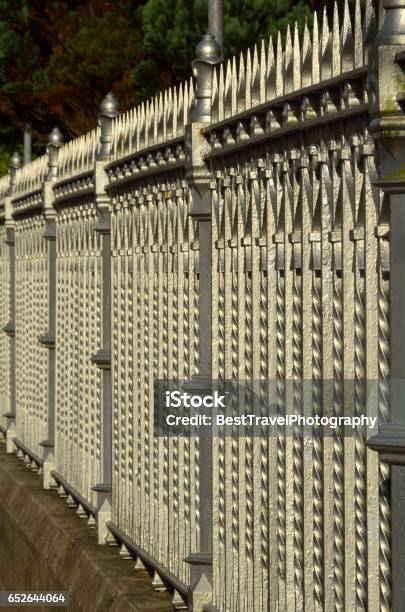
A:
{"points": [[15, 161], [56, 137], [109, 105], [207, 48]]}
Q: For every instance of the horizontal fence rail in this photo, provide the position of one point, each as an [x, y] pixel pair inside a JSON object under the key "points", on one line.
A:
{"points": [[234, 228]]}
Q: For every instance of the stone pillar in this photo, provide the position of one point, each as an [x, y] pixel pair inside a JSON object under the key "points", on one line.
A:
{"points": [[9, 329], [208, 55], [387, 106], [108, 110], [49, 337]]}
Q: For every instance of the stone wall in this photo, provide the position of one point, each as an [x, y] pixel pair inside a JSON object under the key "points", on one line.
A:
{"points": [[45, 546]]}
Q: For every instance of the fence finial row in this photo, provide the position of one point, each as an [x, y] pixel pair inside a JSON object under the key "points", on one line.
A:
{"points": [[276, 68], [76, 156]]}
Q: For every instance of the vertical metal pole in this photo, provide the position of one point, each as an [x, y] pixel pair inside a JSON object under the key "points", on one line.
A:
{"points": [[108, 111], [27, 144], [388, 129], [107, 399], [49, 338], [51, 236], [102, 359], [9, 329], [207, 56], [216, 21]]}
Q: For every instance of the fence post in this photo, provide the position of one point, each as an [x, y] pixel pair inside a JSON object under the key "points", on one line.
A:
{"points": [[27, 143], [49, 337], [387, 106], [208, 55], [9, 329], [108, 111], [216, 22]]}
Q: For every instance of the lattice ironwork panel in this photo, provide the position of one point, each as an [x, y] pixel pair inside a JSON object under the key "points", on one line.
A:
{"points": [[300, 283], [5, 314], [31, 274], [155, 336], [78, 333]]}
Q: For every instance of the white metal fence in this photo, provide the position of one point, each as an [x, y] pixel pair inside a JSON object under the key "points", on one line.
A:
{"points": [[296, 264]]}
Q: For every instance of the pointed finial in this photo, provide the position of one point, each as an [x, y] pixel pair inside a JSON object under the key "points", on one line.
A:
{"points": [[54, 144], [208, 49], [15, 161], [109, 106], [55, 138], [108, 112], [208, 54], [315, 51]]}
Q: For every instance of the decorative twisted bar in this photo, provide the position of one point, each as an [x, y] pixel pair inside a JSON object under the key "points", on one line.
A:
{"points": [[360, 503], [317, 469], [338, 449], [384, 413]]}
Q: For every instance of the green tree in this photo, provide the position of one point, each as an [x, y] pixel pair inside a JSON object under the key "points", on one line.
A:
{"points": [[172, 28], [59, 59]]}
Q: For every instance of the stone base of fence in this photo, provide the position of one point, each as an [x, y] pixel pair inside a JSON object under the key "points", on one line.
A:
{"points": [[46, 547]]}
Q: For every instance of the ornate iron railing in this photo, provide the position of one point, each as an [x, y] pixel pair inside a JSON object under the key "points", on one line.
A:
{"points": [[240, 233]]}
